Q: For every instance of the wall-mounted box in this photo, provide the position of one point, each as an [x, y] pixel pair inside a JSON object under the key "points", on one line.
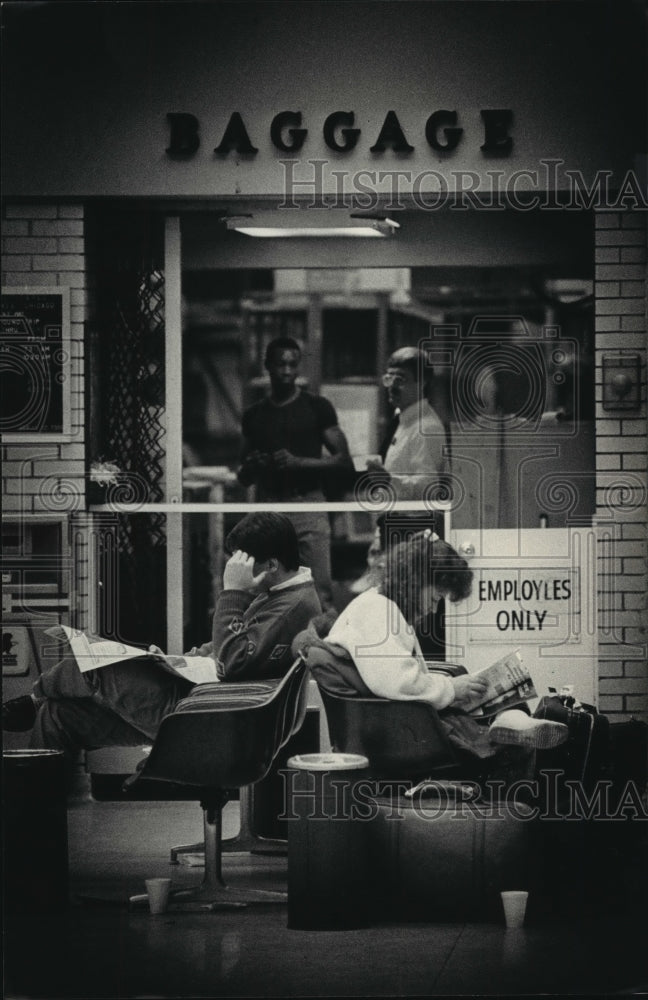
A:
{"points": [[36, 566], [621, 381], [36, 364]]}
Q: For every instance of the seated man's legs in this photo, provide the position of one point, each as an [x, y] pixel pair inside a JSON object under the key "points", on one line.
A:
{"points": [[139, 691], [80, 723], [63, 680]]}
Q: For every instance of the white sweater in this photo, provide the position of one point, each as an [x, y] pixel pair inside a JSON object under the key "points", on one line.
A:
{"points": [[386, 652]]}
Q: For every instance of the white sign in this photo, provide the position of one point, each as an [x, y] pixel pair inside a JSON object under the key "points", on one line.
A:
{"points": [[533, 590]]}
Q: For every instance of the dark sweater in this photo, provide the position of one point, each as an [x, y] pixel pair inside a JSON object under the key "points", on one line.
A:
{"points": [[252, 635]]}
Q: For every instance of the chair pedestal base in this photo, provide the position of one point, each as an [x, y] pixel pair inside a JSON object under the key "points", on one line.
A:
{"points": [[223, 897], [213, 893], [245, 841], [175, 852]]}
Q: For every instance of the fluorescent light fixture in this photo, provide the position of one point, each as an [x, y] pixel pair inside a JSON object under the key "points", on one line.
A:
{"points": [[318, 224]]}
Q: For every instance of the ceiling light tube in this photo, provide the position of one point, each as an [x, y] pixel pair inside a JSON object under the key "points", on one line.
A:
{"points": [[274, 226]]}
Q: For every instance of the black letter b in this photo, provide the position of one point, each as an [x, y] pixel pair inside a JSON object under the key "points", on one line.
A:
{"points": [[184, 134]]}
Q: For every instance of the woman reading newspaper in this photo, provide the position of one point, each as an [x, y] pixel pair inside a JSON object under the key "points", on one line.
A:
{"points": [[372, 649]]}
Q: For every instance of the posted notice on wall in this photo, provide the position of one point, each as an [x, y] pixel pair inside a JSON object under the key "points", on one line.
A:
{"points": [[534, 590]]}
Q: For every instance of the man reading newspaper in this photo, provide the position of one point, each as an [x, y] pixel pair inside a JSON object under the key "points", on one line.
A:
{"points": [[96, 701]]}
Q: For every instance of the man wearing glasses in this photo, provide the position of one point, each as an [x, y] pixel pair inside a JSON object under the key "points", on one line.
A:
{"points": [[416, 456]]}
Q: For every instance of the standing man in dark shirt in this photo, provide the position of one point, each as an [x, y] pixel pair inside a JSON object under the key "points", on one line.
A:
{"points": [[283, 437]]}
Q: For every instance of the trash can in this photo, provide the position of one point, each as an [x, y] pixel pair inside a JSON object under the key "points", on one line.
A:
{"points": [[35, 830], [328, 867]]}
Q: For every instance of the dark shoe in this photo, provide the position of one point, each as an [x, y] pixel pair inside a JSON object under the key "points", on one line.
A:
{"points": [[19, 714]]}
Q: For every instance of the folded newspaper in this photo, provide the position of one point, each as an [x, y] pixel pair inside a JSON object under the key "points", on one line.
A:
{"points": [[93, 653], [509, 684]]}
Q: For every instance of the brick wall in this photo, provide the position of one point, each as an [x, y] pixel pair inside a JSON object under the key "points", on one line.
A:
{"points": [[621, 464], [43, 246]]}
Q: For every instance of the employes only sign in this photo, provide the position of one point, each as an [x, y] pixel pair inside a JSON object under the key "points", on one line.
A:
{"points": [[527, 603], [533, 590]]}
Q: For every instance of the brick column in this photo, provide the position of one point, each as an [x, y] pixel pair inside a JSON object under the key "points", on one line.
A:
{"points": [[43, 246], [621, 468]]}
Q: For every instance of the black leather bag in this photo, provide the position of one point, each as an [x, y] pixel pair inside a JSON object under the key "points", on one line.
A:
{"points": [[585, 756]]}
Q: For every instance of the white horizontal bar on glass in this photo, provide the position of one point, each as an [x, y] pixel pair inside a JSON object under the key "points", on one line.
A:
{"points": [[248, 508]]}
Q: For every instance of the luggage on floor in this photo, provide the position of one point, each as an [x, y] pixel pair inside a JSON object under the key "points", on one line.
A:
{"points": [[585, 756]]}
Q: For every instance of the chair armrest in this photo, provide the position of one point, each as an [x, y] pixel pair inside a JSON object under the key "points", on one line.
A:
{"points": [[447, 669], [221, 695], [246, 687], [215, 703]]}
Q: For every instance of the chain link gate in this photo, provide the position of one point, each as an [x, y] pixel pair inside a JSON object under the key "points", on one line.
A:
{"points": [[126, 414]]}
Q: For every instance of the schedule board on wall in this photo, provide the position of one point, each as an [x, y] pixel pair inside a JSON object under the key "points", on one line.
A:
{"points": [[35, 363]]}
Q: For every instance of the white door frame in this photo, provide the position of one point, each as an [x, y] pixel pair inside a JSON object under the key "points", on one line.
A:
{"points": [[173, 420]]}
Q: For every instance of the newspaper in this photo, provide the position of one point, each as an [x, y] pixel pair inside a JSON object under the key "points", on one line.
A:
{"points": [[509, 684], [93, 653]]}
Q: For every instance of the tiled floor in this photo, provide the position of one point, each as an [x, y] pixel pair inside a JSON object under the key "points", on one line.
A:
{"points": [[100, 948]]}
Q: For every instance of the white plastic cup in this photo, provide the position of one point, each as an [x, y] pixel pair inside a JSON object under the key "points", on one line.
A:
{"points": [[157, 890], [514, 903]]}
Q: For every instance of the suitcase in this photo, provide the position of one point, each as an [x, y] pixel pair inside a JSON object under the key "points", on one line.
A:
{"points": [[585, 756], [437, 859]]}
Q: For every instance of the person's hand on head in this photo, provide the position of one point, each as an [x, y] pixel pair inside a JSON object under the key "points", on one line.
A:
{"points": [[468, 691], [239, 573]]}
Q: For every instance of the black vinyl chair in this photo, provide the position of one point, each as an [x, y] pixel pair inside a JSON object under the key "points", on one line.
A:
{"points": [[223, 737], [247, 840], [403, 740]]}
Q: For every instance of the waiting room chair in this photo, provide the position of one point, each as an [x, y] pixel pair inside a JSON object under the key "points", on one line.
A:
{"points": [[220, 739], [246, 841], [401, 739]]}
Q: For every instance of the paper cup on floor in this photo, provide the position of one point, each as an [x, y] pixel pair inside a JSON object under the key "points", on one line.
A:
{"points": [[157, 890], [514, 903]]}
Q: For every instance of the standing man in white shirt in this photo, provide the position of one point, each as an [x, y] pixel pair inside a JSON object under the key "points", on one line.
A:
{"points": [[416, 460]]}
